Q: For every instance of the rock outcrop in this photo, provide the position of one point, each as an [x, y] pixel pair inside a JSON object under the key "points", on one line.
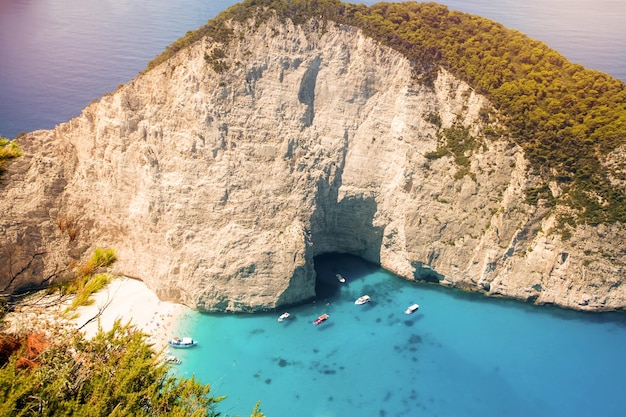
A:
{"points": [[218, 184]]}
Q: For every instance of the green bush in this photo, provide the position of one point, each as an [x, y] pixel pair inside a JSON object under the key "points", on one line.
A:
{"points": [[87, 281], [101, 259], [8, 150], [114, 374], [84, 287]]}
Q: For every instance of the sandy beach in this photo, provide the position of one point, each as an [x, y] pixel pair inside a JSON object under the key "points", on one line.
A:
{"points": [[126, 299], [130, 300]]}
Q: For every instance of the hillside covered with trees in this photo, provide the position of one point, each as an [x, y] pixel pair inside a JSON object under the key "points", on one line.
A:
{"points": [[569, 120]]}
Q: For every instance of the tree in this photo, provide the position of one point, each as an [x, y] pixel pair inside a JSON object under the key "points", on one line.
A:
{"points": [[114, 374]]}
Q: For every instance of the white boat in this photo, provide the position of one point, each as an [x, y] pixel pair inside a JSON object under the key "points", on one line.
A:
{"points": [[172, 359], [412, 309], [362, 300], [185, 342], [283, 316], [340, 278]]}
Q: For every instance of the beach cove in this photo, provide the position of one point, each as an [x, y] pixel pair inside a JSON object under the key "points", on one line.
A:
{"points": [[460, 354], [129, 300]]}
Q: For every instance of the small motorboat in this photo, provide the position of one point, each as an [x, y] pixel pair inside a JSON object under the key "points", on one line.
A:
{"points": [[283, 316], [172, 359], [412, 309], [362, 300], [185, 342], [340, 278], [320, 319]]}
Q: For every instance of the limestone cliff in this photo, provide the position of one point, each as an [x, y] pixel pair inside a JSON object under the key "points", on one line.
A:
{"points": [[218, 176]]}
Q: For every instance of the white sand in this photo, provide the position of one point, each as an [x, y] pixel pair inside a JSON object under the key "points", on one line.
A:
{"points": [[132, 301]]}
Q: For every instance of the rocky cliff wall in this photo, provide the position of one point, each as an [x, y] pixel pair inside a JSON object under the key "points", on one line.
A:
{"points": [[220, 174]]}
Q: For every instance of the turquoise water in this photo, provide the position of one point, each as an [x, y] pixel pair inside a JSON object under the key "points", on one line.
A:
{"points": [[459, 355]]}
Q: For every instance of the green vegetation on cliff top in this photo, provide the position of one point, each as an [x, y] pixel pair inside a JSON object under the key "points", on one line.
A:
{"points": [[568, 119]]}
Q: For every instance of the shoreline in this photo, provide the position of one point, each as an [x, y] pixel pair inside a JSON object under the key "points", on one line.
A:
{"points": [[130, 300], [125, 299]]}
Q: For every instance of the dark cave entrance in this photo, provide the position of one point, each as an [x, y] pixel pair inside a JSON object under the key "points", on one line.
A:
{"points": [[328, 265], [353, 268]]}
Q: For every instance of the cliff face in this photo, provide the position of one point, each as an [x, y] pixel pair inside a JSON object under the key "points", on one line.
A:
{"points": [[218, 188]]}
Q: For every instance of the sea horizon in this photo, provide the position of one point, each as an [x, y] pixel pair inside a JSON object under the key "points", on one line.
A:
{"points": [[57, 57]]}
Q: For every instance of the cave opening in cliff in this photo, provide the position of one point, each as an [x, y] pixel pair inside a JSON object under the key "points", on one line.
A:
{"points": [[425, 274], [329, 265]]}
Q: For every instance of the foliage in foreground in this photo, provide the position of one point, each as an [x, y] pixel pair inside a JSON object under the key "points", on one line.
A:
{"points": [[87, 281], [114, 374], [101, 258], [84, 286]]}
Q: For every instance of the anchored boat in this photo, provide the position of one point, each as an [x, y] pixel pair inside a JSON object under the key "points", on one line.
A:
{"points": [[173, 359], [185, 342], [411, 309], [362, 300], [320, 319]]}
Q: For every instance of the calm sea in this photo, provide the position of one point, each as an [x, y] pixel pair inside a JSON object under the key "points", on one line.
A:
{"points": [[459, 355], [56, 56]]}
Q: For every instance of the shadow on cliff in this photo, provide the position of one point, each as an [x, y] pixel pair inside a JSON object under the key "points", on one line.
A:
{"points": [[343, 237], [345, 242]]}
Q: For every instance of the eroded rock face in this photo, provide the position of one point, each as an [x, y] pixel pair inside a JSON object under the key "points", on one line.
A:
{"points": [[218, 188]]}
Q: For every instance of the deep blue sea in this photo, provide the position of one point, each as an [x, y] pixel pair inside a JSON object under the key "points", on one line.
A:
{"points": [[459, 355], [56, 56]]}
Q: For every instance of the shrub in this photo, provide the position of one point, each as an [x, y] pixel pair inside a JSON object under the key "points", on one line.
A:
{"points": [[115, 373], [8, 150], [84, 287], [101, 258]]}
